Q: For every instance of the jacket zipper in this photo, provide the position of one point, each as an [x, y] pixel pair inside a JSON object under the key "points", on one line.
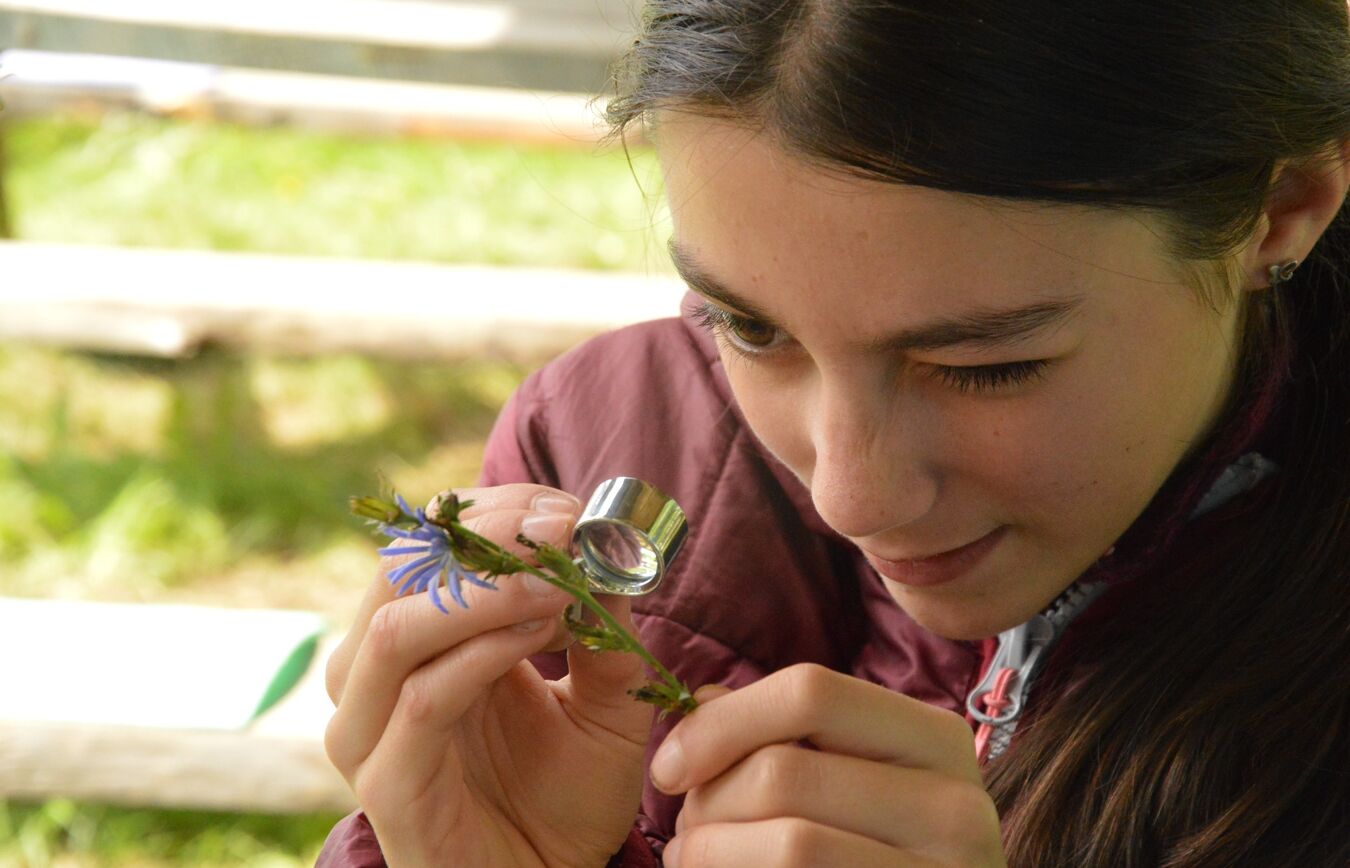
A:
{"points": [[997, 702]]}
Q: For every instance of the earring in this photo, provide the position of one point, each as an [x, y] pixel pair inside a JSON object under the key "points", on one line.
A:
{"points": [[1281, 274]]}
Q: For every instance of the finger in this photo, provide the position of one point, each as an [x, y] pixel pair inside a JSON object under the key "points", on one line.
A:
{"points": [[598, 682], [832, 711], [406, 633], [503, 525], [501, 529], [562, 637], [901, 807], [786, 842], [518, 495], [708, 692], [414, 748]]}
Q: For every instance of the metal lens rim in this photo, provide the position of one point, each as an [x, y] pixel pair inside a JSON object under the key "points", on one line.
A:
{"points": [[601, 576]]}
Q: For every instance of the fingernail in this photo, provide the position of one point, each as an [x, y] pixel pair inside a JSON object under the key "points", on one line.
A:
{"points": [[556, 503], [545, 526], [671, 855], [536, 585], [667, 768], [532, 626]]}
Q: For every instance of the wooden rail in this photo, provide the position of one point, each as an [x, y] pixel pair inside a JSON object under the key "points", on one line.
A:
{"points": [[276, 765], [170, 302], [559, 46]]}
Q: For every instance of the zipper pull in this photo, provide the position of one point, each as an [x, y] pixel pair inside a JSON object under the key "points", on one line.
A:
{"points": [[1019, 650]]}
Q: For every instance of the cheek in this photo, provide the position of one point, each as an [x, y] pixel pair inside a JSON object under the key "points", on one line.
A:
{"points": [[776, 408], [1029, 459], [1077, 461]]}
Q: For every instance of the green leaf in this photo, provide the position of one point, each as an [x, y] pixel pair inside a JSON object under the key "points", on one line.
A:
{"points": [[665, 697], [375, 508], [597, 638]]}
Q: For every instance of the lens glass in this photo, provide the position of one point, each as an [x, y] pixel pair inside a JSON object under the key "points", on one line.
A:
{"points": [[618, 551]]}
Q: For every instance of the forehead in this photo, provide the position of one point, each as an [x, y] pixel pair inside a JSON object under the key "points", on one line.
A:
{"points": [[763, 221]]}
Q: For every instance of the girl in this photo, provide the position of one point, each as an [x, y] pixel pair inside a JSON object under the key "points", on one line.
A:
{"points": [[1010, 407]]}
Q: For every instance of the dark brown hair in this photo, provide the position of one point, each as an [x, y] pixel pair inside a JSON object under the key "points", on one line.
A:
{"points": [[1217, 734]]}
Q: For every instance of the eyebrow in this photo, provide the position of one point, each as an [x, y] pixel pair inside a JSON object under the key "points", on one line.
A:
{"points": [[981, 327]]}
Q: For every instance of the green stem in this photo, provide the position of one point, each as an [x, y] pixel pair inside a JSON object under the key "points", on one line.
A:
{"points": [[590, 602]]}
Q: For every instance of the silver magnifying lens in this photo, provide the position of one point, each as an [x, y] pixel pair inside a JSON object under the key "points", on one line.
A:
{"points": [[627, 536]]}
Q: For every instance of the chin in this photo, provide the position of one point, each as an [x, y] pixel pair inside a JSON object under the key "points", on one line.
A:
{"points": [[955, 619]]}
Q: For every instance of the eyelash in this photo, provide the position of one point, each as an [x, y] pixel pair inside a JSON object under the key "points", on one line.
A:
{"points": [[964, 378]]}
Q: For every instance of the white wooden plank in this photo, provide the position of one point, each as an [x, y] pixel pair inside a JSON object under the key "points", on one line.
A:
{"points": [[408, 23], [39, 82], [175, 299], [236, 771], [277, 764]]}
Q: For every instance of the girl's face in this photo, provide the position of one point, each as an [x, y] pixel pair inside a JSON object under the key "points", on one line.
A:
{"points": [[945, 373]]}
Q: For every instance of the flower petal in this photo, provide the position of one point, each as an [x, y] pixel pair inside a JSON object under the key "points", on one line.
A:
{"points": [[426, 533], [436, 597], [473, 577], [389, 551], [397, 574], [433, 568], [452, 582]]}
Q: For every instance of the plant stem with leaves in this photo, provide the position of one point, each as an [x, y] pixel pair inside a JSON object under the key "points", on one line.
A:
{"points": [[451, 553]]}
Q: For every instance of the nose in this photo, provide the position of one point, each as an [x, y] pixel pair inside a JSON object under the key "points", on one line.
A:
{"points": [[872, 471]]}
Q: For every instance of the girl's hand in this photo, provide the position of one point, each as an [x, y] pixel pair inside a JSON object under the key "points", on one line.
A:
{"points": [[895, 781], [455, 747]]}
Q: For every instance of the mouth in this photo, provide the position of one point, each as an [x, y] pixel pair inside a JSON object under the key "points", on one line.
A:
{"points": [[939, 568]]}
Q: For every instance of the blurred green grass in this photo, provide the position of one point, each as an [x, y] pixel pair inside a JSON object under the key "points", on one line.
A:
{"points": [[60, 832], [122, 478], [135, 180], [222, 479]]}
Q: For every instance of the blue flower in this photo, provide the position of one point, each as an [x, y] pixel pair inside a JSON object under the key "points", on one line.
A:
{"points": [[438, 560]]}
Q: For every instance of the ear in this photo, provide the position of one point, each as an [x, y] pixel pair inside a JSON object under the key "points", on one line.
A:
{"points": [[1304, 198]]}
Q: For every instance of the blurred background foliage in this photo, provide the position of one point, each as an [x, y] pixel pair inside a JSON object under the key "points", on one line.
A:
{"points": [[132, 179], [62, 833], [222, 478]]}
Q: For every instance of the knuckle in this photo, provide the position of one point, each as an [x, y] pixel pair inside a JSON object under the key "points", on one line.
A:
{"points": [[780, 772], [384, 636], [417, 699], [335, 672], [332, 745], [800, 843], [366, 787], [496, 525], [806, 688], [338, 747], [698, 848], [965, 809]]}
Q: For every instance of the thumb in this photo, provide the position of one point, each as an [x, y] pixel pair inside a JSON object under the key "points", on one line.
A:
{"points": [[600, 681], [708, 692]]}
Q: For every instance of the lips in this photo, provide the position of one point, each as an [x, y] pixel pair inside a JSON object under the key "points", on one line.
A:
{"points": [[939, 568]]}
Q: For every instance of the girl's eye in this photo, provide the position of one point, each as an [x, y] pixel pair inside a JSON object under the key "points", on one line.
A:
{"points": [[747, 336], [989, 378], [755, 339]]}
